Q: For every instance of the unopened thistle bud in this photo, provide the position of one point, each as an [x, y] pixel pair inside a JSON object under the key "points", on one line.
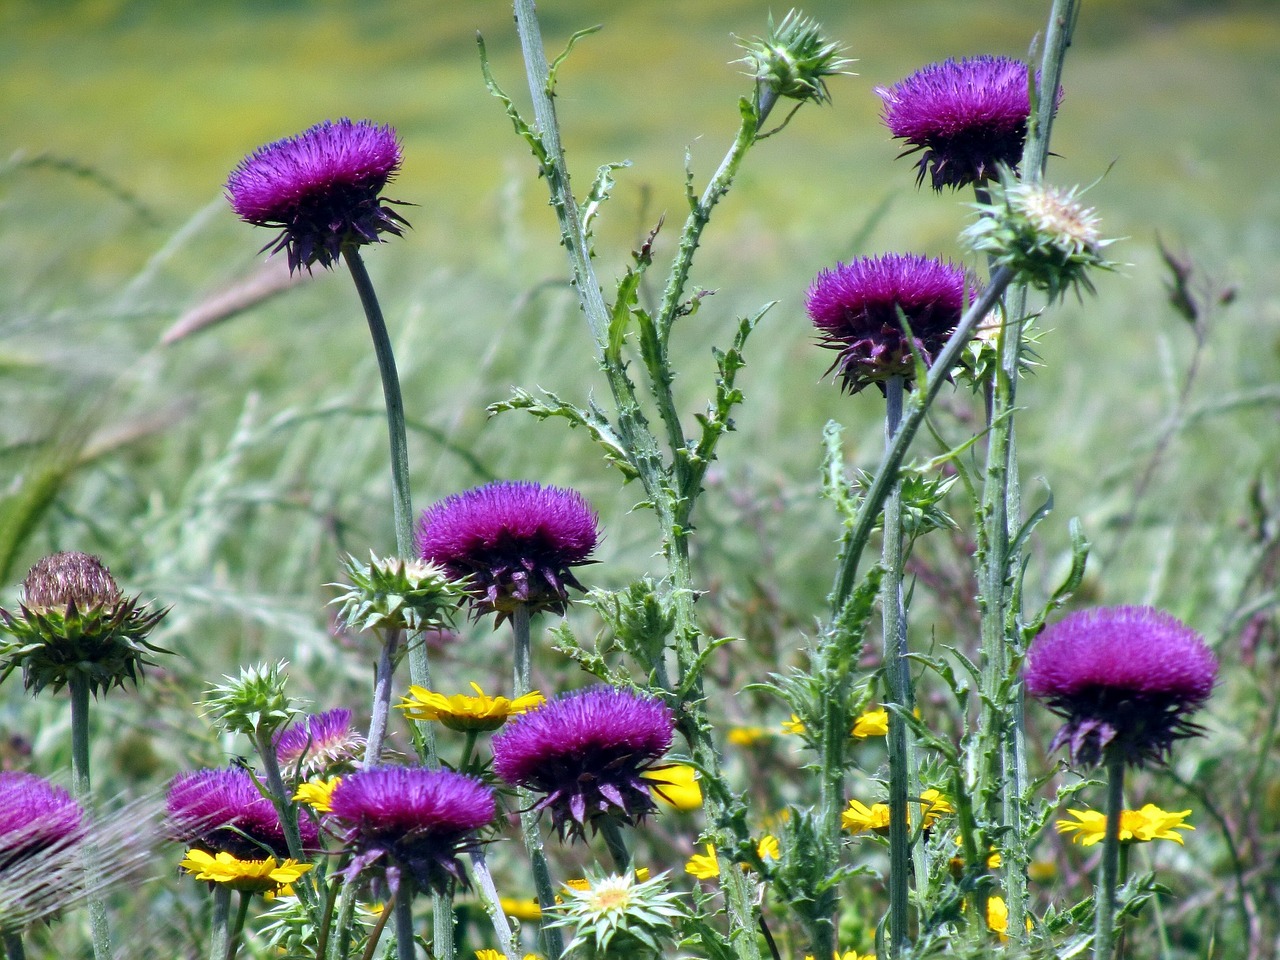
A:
{"points": [[396, 594], [73, 620], [794, 60], [1045, 234], [253, 703]]}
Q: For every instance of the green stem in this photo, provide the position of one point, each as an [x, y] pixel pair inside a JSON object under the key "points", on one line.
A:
{"points": [[383, 681], [493, 904], [13, 949], [237, 926], [82, 785], [873, 500], [281, 799], [898, 681], [1105, 898], [340, 945], [326, 919], [375, 933], [220, 925], [552, 939], [405, 945], [617, 845]]}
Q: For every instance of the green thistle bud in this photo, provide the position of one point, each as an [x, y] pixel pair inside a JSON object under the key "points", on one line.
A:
{"points": [[73, 620], [620, 918], [396, 594], [1043, 233], [254, 703], [794, 60]]}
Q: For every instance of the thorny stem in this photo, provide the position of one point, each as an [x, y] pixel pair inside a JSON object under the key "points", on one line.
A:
{"points": [[220, 926], [1105, 898], [898, 681], [383, 680], [100, 931], [493, 903], [406, 948], [552, 940]]}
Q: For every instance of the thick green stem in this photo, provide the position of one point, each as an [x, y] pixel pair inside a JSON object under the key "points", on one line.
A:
{"points": [[406, 946], [220, 926], [280, 797], [383, 681], [617, 845], [1105, 897], [531, 831], [237, 926], [100, 930], [493, 904], [898, 680]]}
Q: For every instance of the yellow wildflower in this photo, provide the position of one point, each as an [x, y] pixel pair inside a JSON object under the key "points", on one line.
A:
{"points": [[848, 955], [521, 908], [993, 860], [998, 917], [488, 953], [464, 713], [859, 818], [747, 736], [768, 849], [267, 877], [1149, 823], [707, 866], [318, 794], [676, 785], [794, 726], [872, 723]]}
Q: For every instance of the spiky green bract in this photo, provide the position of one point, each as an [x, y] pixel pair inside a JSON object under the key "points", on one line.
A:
{"points": [[253, 703], [73, 621], [397, 594], [618, 917], [1044, 233], [795, 59]]}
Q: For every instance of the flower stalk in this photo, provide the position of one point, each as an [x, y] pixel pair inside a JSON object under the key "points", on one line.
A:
{"points": [[1108, 871], [99, 927]]}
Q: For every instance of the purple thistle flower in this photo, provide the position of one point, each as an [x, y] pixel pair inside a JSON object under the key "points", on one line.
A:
{"points": [[516, 540], [223, 811], [321, 189], [1126, 679], [35, 817], [967, 117], [585, 752], [318, 742], [410, 818], [858, 309]]}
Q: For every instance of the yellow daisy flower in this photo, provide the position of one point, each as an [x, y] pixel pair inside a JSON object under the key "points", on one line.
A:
{"points": [[317, 794], [1149, 823], [461, 712], [998, 917], [267, 877], [676, 785], [848, 955], [793, 726], [748, 736], [859, 818], [525, 909], [488, 953], [707, 866], [872, 723]]}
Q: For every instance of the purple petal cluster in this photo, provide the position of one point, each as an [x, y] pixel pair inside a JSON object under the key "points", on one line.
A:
{"points": [[398, 819], [1126, 680], [585, 752], [966, 117], [515, 540], [35, 816], [858, 309], [318, 742], [321, 189], [223, 811]]}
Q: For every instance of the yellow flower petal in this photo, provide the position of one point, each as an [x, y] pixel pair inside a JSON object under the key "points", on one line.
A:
{"points": [[747, 736], [249, 876], [676, 786], [793, 726], [525, 908], [317, 794], [704, 867], [466, 713], [872, 723]]}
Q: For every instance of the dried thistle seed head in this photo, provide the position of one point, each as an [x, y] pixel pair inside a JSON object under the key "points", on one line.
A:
{"points": [[1043, 233], [74, 622]]}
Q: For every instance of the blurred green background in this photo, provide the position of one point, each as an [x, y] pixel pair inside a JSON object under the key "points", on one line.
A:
{"points": [[225, 472]]}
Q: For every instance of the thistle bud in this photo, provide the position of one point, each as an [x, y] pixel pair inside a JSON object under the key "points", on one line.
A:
{"points": [[794, 60], [395, 594], [251, 703]]}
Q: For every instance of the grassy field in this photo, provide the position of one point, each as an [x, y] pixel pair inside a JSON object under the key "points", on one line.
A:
{"points": [[224, 473]]}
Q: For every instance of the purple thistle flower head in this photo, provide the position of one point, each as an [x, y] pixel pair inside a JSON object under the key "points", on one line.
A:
{"points": [[410, 818], [516, 541], [585, 752], [1126, 680], [318, 742], [321, 189], [858, 309], [967, 117], [222, 811], [35, 817]]}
